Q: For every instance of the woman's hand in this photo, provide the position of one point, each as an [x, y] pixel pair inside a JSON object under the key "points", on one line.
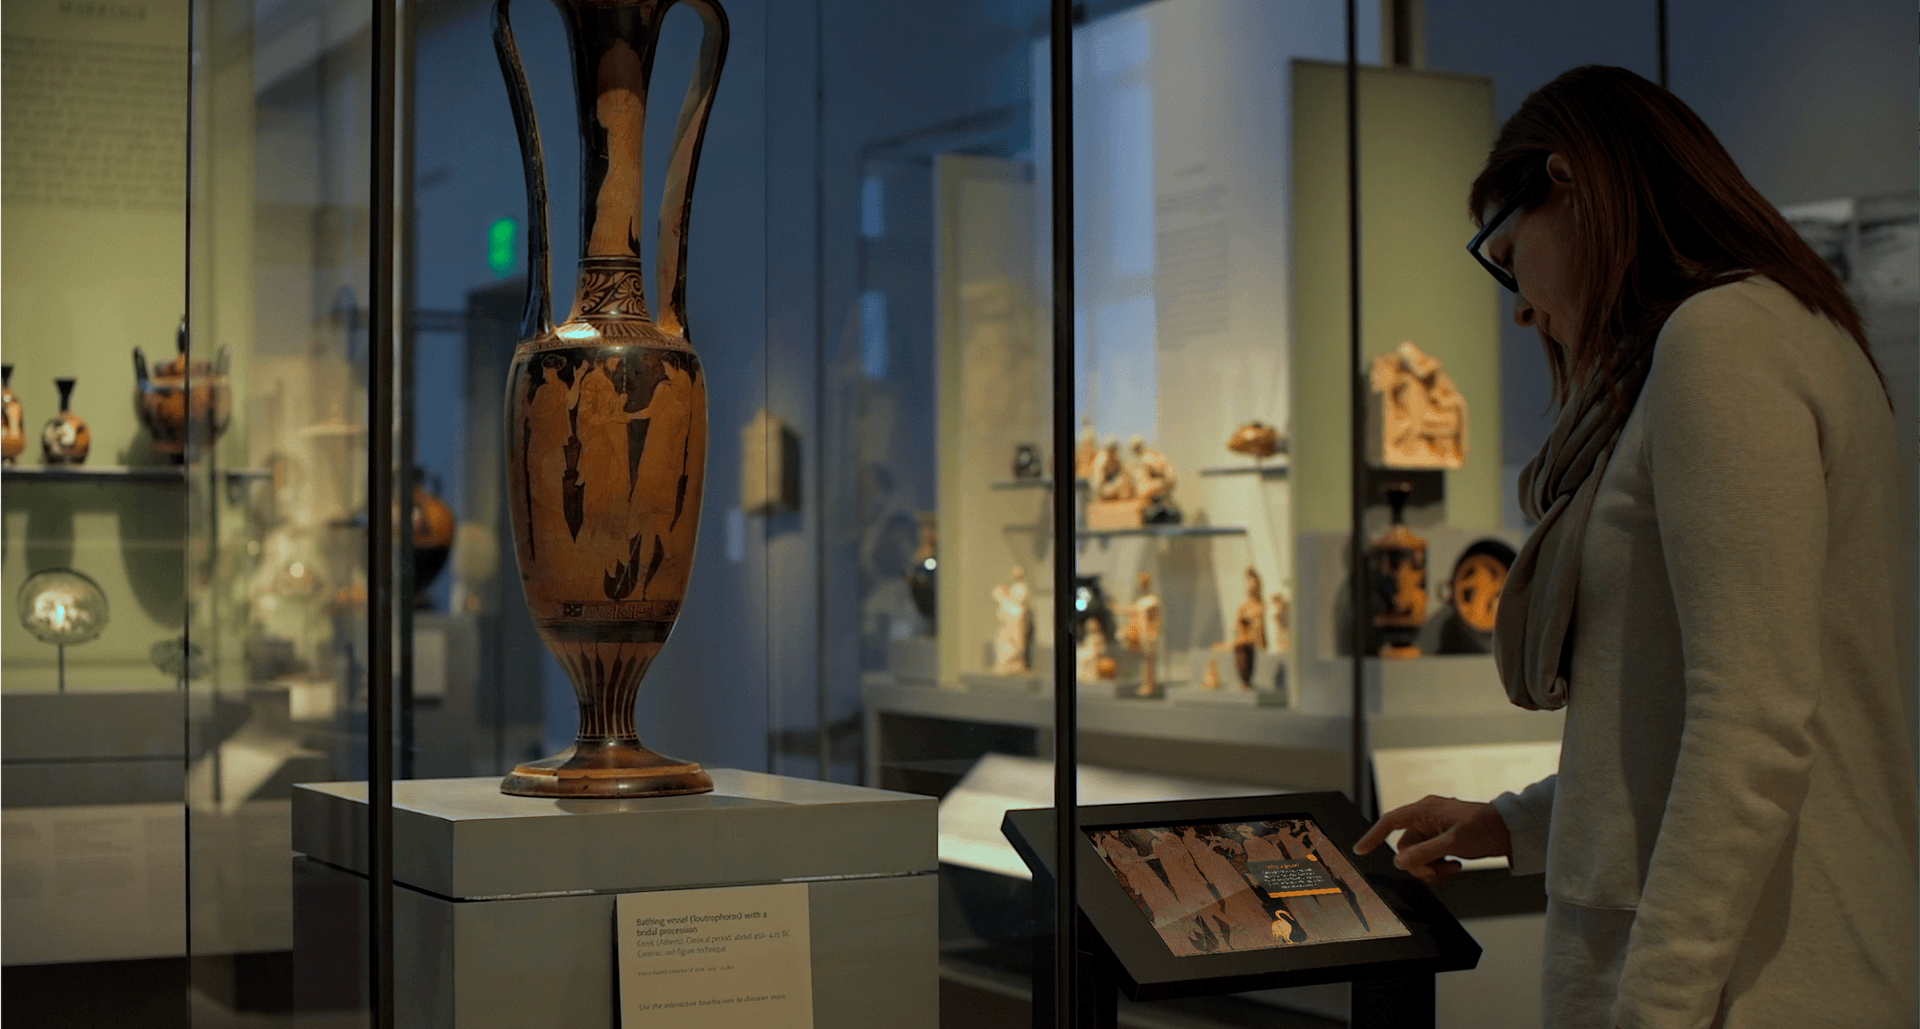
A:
{"points": [[1437, 827]]}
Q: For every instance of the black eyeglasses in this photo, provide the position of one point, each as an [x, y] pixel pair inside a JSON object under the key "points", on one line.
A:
{"points": [[1476, 247]]}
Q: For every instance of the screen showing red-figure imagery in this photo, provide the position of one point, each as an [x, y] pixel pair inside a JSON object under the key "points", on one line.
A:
{"points": [[1233, 886]]}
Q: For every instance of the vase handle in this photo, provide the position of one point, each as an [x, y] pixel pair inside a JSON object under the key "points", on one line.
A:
{"points": [[537, 317], [676, 200]]}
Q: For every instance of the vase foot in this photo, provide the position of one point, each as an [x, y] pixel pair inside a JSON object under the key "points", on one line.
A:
{"points": [[621, 768]]}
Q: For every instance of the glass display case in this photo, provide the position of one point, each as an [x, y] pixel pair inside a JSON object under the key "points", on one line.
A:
{"points": [[296, 571]]}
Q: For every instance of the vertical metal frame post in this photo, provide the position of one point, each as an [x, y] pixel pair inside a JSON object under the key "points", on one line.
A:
{"points": [[404, 330], [1359, 590], [381, 380], [1066, 762]]}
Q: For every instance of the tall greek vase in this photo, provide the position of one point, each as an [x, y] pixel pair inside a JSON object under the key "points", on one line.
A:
{"points": [[608, 410], [1397, 566]]}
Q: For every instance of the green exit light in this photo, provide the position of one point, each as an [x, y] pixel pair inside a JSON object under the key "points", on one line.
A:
{"points": [[503, 247]]}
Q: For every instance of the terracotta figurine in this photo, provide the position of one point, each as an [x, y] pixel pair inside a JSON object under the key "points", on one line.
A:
{"points": [[1015, 634], [1084, 448], [1282, 635], [1108, 474], [1114, 504], [1257, 440], [1091, 662], [1249, 630], [1422, 416], [1153, 482], [1142, 634]]}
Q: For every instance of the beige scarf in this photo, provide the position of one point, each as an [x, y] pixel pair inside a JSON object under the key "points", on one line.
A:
{"points": [[1532, 637]]}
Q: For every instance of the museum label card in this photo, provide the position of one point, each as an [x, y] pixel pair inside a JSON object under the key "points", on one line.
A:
{"points": [[732, 957], [1292, 878]]}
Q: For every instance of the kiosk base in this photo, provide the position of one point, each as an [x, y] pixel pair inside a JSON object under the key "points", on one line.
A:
{"points": [[1406, 1003]]}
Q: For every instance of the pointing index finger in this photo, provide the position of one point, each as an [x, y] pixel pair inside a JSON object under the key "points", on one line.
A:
{"points": [[1388, 823], [1425, 852]]}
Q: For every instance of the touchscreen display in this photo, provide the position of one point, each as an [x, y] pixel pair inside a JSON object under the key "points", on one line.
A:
{"points": [[1244, 885]]}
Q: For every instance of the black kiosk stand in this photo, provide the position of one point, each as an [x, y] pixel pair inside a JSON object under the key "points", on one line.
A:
{"points": [[1195, 897]]}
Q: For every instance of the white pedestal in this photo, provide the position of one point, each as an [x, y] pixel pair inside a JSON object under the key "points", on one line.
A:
{"points": [[504, 906]]}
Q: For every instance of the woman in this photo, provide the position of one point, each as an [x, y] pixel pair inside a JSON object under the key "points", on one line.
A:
{"points": [[1731, 838]]}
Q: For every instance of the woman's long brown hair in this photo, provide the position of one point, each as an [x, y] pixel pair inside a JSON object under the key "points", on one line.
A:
{"points": [[1662, 210]]}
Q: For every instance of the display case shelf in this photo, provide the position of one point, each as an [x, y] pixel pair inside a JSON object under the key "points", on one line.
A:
{"points": [[164, 475], [1284, 728], [1037, 482], [1279, 470], [1166, 530]]}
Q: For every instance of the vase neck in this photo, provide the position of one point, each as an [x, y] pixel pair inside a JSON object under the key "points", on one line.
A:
{"points": [[613, 44], [1397, 500], [66, 392], [613, 50], [610, 287]]}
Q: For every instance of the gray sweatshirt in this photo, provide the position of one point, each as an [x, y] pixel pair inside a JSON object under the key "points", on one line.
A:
{"points": [[1736, 767]]}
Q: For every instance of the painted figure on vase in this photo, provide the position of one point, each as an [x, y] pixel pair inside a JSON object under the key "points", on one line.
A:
{"points": [[1015, 633], [676, 420], [600, 418], [1397, 566], [620, 109], [547, 440], [1142, 634], [621, 523]]}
